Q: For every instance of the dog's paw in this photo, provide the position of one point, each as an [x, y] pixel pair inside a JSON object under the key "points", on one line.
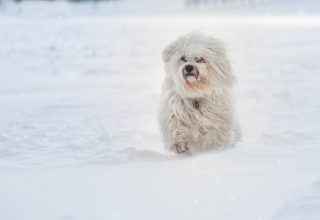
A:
{"points": [[180, 147]]}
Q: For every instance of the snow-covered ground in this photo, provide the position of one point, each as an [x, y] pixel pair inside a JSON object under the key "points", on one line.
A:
{"points": [[78, 131]]}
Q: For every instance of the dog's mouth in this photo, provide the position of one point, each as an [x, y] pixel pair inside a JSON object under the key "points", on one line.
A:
{"points": [[190, 77]]}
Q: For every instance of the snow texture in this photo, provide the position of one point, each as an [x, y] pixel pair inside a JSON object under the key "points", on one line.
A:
{"points": [[78, 132]]}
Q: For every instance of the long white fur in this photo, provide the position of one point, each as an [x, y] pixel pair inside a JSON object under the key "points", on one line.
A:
{"points": [[183, 127]]}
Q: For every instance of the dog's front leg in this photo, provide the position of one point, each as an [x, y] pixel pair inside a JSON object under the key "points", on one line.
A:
{"points": [[180, 147], [179, 140], [174, 135]]}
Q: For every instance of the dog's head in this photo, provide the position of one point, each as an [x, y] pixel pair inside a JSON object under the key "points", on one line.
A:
{"points": [[197, 65]]}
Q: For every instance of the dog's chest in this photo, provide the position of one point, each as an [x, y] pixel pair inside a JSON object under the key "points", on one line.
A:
{"points": [[201, 112], [196, 114]]}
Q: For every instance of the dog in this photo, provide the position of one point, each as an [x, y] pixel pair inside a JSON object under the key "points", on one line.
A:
{"points": [[197, 108]]}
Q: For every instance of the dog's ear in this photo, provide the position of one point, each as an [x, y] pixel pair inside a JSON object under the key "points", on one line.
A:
{"points": [[223, 72], [220, 62], [168, 52]]}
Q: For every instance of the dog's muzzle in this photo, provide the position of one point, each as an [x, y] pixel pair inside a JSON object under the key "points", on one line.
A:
{"points": [[190, 73]]}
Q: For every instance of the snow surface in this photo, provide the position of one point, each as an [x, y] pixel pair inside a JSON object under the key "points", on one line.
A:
{"points": [[78, 131]]}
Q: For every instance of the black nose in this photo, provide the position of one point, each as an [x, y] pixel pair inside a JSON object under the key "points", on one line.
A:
{"points": [[189, 68]]}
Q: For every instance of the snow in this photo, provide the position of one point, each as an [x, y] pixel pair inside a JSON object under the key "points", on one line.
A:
{"points": [[78, 130], [191, 78]]}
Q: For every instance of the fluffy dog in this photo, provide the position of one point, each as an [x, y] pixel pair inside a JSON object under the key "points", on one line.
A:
{"points": [[196, 110]]}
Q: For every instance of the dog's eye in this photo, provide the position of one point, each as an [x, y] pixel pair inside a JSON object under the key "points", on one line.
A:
{"points": [[183, 59], [199, 60]]}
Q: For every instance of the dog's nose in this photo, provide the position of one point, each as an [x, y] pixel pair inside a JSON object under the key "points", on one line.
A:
{"points": [[189, 68]]}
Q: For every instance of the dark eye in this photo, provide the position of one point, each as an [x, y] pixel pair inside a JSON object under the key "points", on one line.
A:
{"points": [[183, 59], [199, 60]]}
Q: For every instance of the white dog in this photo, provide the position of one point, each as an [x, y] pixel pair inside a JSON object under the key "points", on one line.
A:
{"points": [[196, 111]]}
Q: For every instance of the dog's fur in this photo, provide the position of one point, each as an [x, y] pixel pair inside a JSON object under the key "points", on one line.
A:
{"points": [[196, 111]]}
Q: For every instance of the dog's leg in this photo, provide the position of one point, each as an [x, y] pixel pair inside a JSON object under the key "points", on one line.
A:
{"points": [[174, 124], [174, 136], [180, 147], [177, 136]]}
